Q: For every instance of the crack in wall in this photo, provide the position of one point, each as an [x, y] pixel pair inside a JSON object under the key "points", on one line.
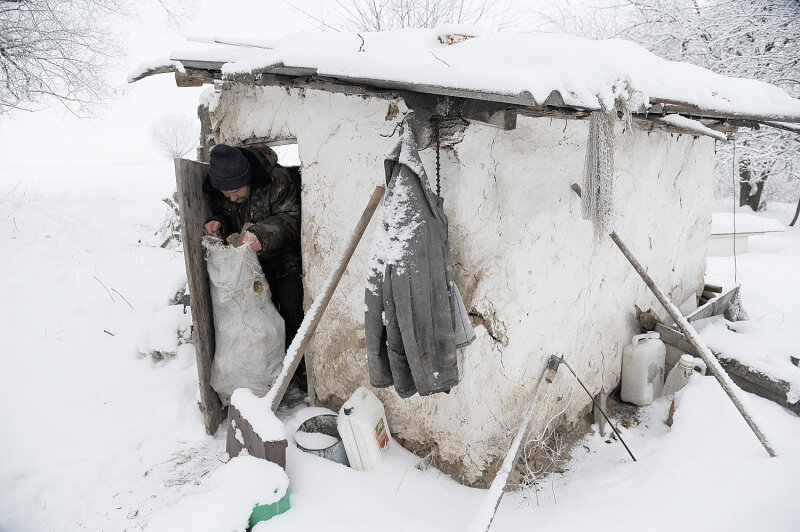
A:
{"points": [[487, 317]]}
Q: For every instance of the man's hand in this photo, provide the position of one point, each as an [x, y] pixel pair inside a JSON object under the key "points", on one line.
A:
{"points": [[252, 239], [212, 227]]}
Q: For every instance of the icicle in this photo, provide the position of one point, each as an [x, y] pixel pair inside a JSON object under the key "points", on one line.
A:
{"points": [[598, 174]]}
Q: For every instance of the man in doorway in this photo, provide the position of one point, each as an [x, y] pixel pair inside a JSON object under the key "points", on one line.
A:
{"points": [[248, 186]]}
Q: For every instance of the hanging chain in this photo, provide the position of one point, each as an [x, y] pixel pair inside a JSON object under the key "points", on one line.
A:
{"points": [[438, 163]]}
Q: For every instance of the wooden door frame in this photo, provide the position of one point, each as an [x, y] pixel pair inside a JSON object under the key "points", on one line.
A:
{"points": [[195, 210]]}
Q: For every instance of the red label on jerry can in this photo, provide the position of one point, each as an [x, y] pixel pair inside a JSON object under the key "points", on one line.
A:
{"points": [[381, 436]]}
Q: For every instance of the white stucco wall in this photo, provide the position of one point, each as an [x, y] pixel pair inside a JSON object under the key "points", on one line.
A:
{"points": [[524, 258]]}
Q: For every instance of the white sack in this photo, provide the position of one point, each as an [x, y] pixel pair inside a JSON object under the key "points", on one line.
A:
{"points": [[248, 330]]}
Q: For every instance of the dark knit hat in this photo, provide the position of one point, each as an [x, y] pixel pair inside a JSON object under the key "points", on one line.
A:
{"points": [[228, 168]]}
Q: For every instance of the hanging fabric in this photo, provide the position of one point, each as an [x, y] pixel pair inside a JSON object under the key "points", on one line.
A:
{"points": [[598, 173], [414, 316]]}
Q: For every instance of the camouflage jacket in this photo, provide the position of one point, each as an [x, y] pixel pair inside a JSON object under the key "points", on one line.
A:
{"points": [[273, 208]]}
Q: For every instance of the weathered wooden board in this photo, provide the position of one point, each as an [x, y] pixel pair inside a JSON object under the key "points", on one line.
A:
{"points": [[675, 338], [239, 427], [717, 306], [747, 378], [482, 521], [312, 318], [495, 115], [195, 210]]}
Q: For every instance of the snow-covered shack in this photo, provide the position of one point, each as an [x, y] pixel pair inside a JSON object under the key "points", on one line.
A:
{"points": [[512, 113]]}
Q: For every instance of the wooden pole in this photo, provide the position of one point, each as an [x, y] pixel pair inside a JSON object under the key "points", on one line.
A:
{"points": [[195, 210], [692, 337], [488, 508], [303, 337]]}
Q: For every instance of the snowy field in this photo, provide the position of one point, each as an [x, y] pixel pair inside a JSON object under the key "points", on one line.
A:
{"points": [[96, 436]]}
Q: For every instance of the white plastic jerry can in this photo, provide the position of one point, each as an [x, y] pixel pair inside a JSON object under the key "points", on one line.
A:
{"points": [[364, 430], [679, 375], [643, 363]]}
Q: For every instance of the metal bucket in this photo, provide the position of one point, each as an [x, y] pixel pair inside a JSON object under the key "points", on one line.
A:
{"points": [[325, 424]]}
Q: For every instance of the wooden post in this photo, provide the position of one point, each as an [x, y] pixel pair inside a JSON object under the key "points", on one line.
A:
{"points": [[272, 451], [195, 209], [692, 337], [491, 501], [303, 337]]}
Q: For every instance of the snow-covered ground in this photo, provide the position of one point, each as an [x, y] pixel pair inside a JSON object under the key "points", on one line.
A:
{"points": [[96, 436]]}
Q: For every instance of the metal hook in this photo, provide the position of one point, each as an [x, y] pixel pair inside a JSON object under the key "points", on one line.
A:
{"points": [[400, 124]]}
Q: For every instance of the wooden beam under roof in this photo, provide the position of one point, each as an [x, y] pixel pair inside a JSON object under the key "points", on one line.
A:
{"points": [[553, 106], [691, 111]]}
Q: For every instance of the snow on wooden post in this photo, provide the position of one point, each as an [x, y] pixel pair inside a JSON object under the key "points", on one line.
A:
{"points": [[303, 337], [195, 209], [491, 501], [693, 338]]}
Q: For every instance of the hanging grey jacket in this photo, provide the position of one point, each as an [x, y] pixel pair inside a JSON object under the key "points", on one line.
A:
{"points": [[415, 318]]}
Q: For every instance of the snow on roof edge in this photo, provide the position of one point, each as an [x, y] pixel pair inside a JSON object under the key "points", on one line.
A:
{"points": [[583, 72]]}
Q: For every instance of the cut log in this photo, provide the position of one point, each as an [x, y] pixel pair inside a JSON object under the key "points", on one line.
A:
{"points": [[712, 288], [195, 210], [709, 295], [718, 306]]}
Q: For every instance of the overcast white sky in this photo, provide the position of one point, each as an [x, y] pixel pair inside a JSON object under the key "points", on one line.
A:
{"points": [[119, 131]]}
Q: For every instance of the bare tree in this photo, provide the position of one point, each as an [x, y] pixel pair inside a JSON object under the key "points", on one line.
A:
{"points": [[382, 15], [53, 49], [174, 135], [60, 50], [754, 39]]}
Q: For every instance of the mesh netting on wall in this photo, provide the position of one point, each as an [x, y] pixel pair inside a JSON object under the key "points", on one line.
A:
{"points": [[598, 174]]}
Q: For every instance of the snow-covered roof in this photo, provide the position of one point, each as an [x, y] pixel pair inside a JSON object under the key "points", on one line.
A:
{"points": [[519, 68], [722, 223]]}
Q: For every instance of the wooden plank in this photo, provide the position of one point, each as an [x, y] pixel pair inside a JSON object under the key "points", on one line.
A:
{"points": [[490, 113], [524, 98], [163, 69], [783, 127], [717, 306], [747, 378], [689, 110], [676, 339], [193, 78], [312, 318], [239, 427], [692, 337], [491, 501], [601, 399], [708, 295], [753, 381], [195, 210]]}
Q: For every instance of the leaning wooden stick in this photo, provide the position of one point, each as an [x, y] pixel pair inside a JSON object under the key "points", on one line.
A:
{"points": [[303, 337], [488, 508], [693, 338]]}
